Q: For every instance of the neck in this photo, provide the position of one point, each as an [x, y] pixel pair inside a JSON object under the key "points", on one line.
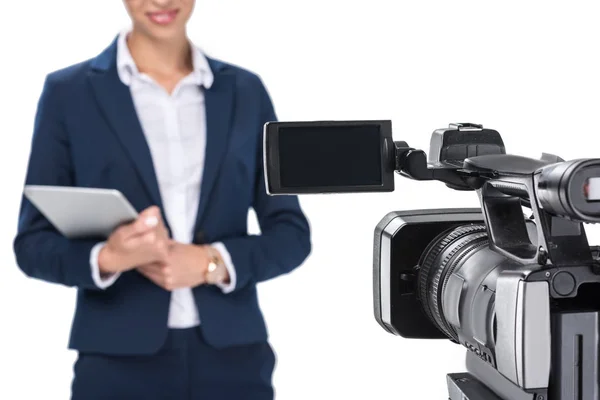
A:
{"points": [[160, 56]]}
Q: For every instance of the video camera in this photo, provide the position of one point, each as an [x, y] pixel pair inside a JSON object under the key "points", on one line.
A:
{"points": [[519, 290]]}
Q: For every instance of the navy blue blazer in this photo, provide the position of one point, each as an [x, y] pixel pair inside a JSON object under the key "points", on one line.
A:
{"points": [[87, 134]]}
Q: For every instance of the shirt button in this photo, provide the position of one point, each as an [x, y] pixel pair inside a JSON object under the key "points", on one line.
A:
{"points": [[199, 238]]}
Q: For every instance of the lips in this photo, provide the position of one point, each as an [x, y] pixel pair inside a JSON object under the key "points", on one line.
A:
{"points": [[163, 17]]}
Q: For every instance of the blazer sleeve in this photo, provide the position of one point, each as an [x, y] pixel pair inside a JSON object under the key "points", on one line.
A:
{"points": [[284, 242], [41, 252]]}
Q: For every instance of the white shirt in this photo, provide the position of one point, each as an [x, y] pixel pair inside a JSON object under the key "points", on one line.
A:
{"points": [[175, 129]]}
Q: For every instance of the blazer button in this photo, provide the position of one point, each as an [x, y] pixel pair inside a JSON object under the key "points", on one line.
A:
{"points": [[199, 238]]}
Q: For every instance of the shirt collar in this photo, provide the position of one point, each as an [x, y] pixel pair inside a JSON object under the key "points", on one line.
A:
{"points": [[202, 74]]}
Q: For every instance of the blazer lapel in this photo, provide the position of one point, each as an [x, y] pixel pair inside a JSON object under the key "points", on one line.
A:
{"points": [[116, 103], [219, 101]]}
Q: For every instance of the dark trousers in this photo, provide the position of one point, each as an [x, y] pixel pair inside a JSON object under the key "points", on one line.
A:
{"points": [[185, 368]]}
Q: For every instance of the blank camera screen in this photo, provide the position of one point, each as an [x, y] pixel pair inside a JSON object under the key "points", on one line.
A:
{"points": [[331, 156]]}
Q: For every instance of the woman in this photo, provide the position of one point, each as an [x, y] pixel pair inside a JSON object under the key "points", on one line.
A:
{"points": [[167, 305]]}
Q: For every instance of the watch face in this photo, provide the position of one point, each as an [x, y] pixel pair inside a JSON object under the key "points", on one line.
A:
{"points": [[212, 267], [215, 273]]}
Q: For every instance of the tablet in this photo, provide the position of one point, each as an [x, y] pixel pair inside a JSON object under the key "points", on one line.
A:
{"points": [[81, 212]]}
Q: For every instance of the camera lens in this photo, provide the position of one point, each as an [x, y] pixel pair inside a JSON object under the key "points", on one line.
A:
{"points": [[439, 260]]}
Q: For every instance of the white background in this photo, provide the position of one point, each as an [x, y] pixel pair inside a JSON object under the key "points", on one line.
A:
{"points": [[528, 69]]}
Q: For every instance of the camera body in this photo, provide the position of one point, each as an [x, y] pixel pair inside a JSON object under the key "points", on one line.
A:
{"points": [[517, 291]]}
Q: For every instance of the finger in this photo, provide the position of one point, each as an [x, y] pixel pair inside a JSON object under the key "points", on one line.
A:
{"points": [[142, 243], [152, 274], [168, 277], [149, 247], [158, 269], [151, 268], [162, 231], [148, 220], [159, 249], [165, 231], [158, 277]]}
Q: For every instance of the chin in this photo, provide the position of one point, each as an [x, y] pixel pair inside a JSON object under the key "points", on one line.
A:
{"points": [[163, 33]]}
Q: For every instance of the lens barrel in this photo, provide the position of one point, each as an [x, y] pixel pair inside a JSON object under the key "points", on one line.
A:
{"points": [[563, 190], [443, 255]]}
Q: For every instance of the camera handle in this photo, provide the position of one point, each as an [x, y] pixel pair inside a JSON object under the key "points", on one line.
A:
{"points": [[559, 240]]}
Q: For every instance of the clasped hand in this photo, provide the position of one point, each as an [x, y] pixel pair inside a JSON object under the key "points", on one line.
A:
{"points": [[144, 244]]}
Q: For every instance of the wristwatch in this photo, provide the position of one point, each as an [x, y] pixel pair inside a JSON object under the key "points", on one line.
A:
{"points": [[216, 272]]}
